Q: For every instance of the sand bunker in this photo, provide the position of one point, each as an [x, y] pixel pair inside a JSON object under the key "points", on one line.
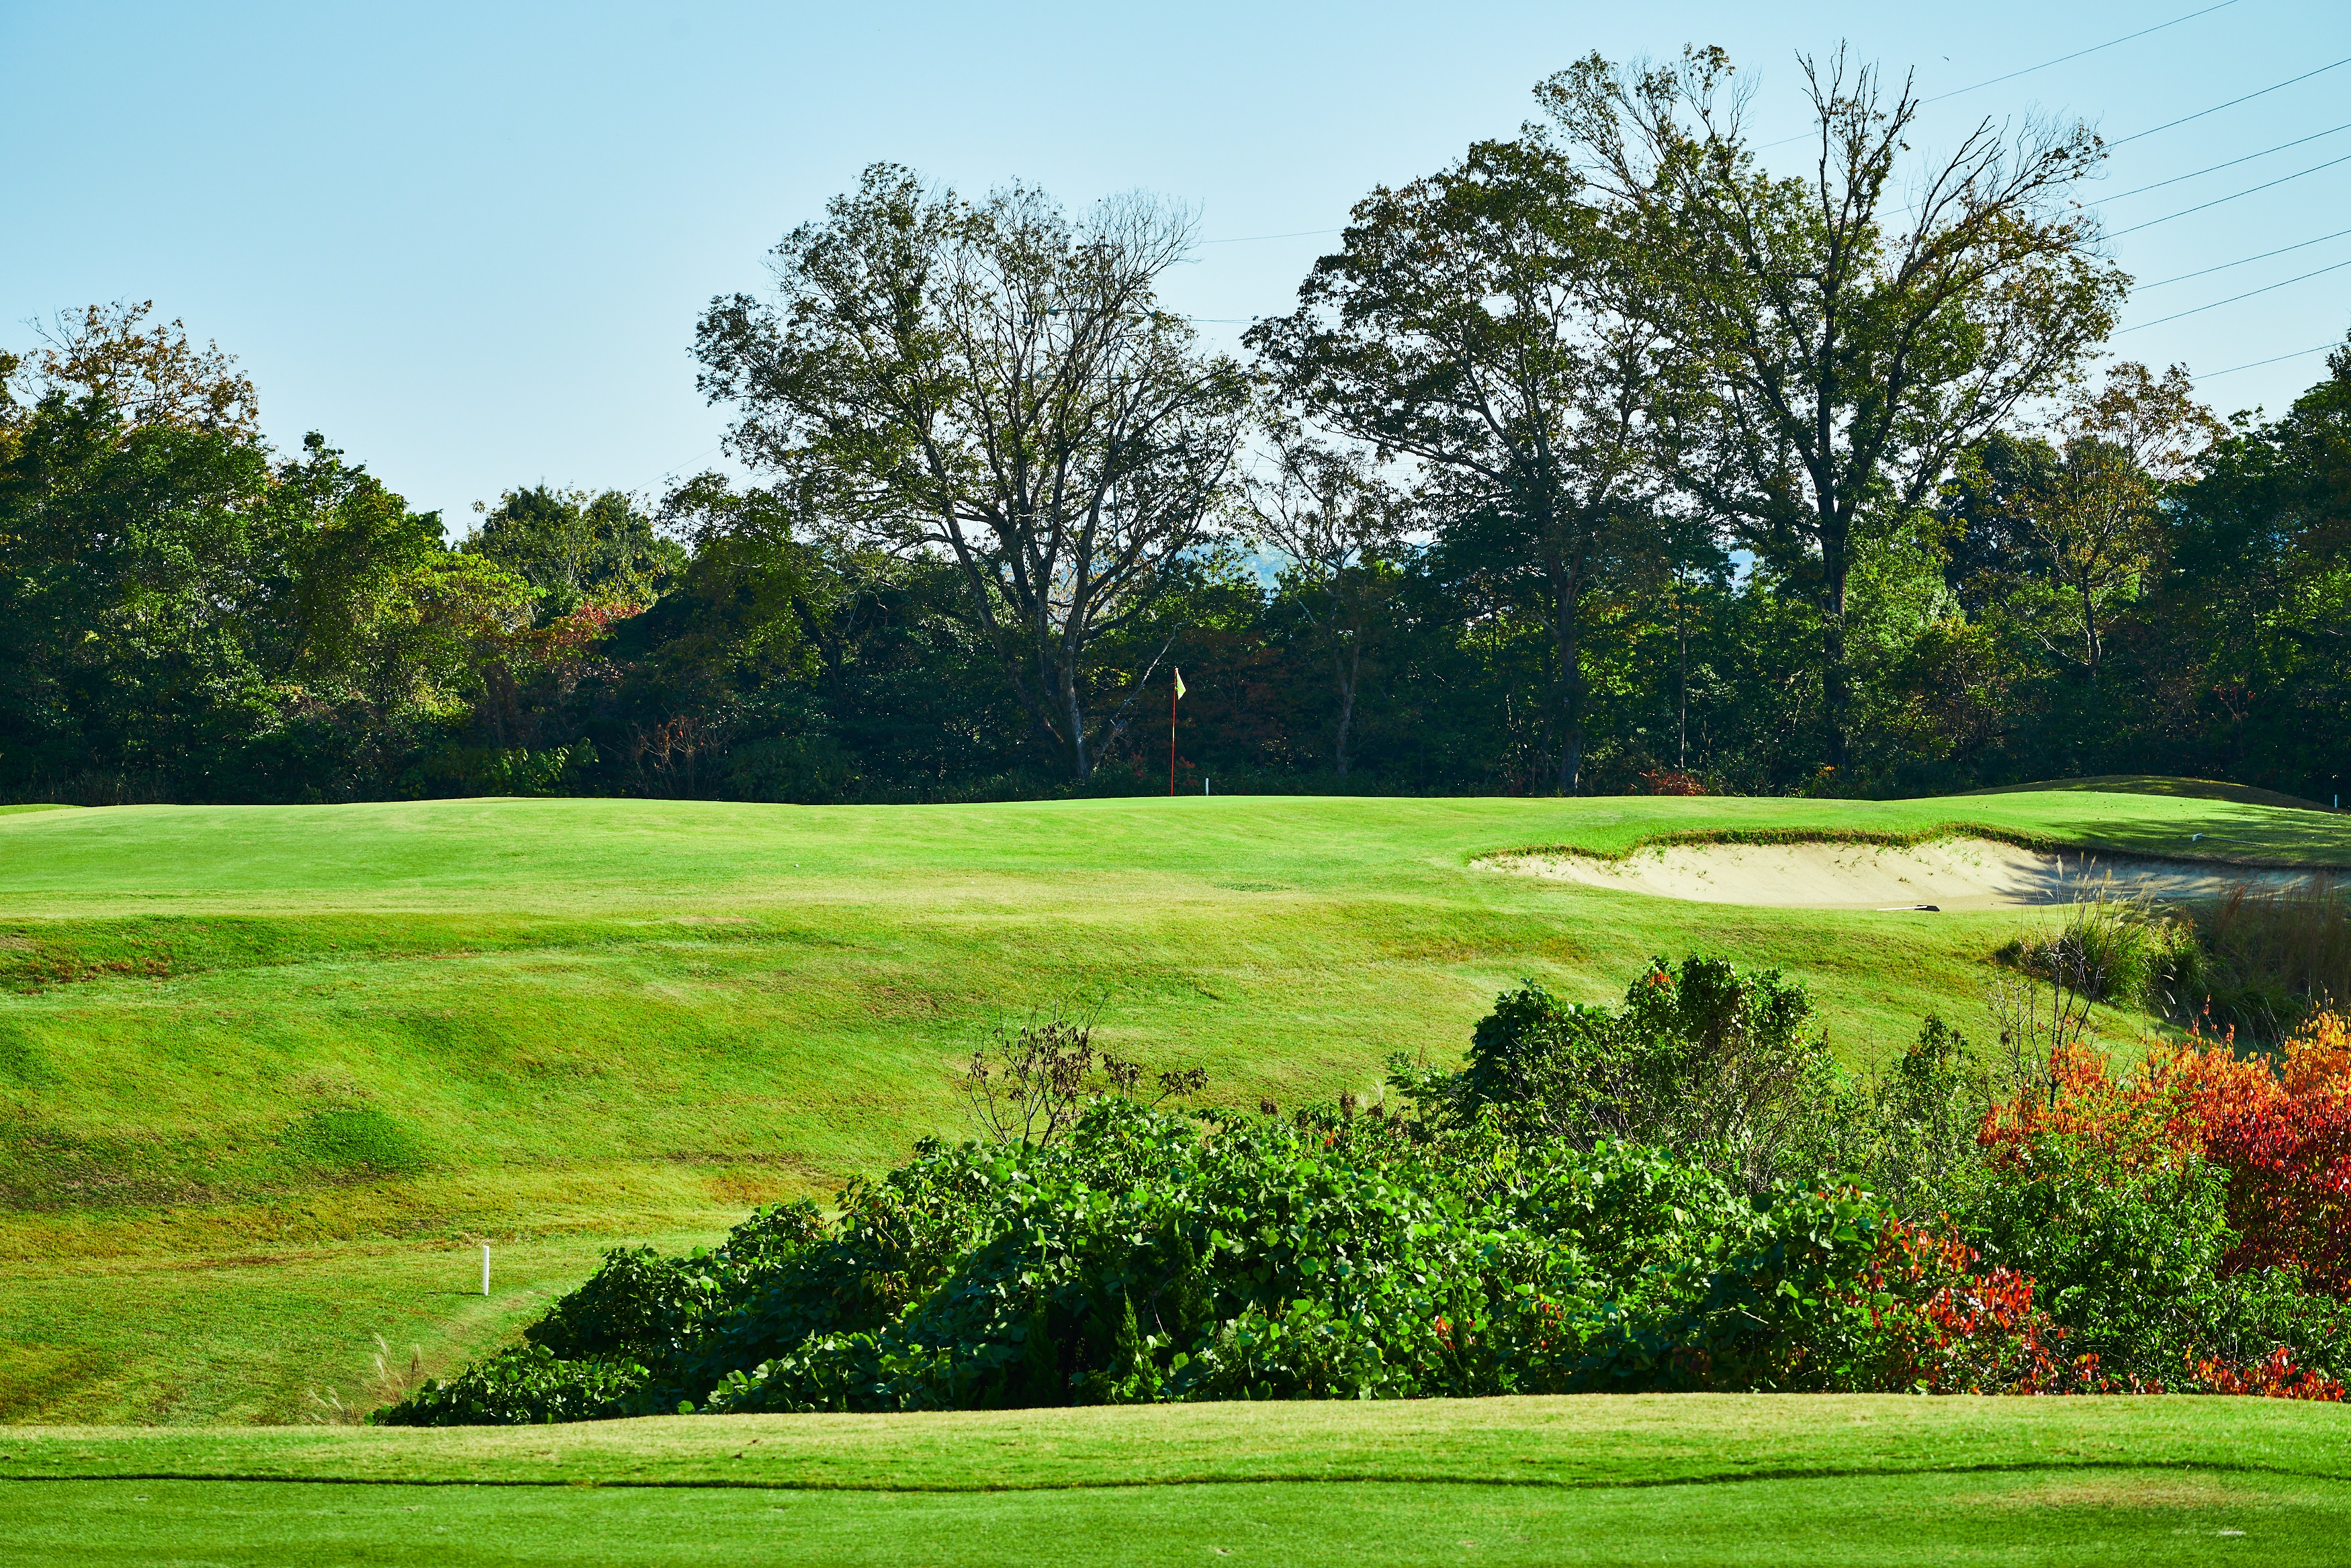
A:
{"points": [[1949, 874]]}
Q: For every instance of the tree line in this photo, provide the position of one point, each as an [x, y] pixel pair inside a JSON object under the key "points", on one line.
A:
{"points": [[1606, 458]]}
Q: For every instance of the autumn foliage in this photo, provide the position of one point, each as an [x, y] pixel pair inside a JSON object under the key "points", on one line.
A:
{"points": [[2277, 1127], [2280, 1126], [1953, 1328]]}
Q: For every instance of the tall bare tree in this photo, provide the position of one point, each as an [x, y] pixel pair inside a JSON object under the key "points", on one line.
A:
{"points": [[1472, 321], [1859, 329], [995, 381]]}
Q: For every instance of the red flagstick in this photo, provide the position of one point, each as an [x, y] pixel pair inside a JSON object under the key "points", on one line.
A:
{"points": [[1170, 743]]}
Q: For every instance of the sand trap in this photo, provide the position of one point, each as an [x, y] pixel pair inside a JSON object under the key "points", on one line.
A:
{"points": [[1950, 873]]}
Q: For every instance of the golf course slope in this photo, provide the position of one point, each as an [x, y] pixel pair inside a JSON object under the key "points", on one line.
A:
{"points": [[273, 1076]]}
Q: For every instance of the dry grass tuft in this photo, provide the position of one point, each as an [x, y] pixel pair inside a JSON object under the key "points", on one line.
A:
{"points": [[387, 1384]]}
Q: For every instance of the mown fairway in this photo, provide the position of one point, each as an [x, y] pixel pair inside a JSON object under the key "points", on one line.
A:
{"points": [[1689, 1478], [273, 1074]]}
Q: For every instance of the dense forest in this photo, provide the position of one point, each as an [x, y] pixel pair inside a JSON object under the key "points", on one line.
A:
{"points": [[1603, 460]]}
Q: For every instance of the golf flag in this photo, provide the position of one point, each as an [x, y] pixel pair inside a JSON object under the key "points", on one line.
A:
{"points": [[1171, 696]]}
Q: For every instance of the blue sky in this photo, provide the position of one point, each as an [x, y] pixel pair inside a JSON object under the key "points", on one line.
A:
{"points": [[469, 242]]}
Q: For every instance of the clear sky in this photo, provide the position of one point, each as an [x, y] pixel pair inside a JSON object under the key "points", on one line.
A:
{"points": [[469, 242]]}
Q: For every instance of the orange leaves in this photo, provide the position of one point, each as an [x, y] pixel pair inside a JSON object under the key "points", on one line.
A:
{"points": [[1958, 1331], [2275, 1377], [2281, 1128]]}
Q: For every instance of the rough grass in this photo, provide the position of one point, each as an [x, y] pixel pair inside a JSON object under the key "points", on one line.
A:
{"points": [[268, 1076], [1667, 1479]]}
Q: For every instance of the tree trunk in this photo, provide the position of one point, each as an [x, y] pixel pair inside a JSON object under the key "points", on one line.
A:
{"points": [[1080, 765], [1348, 668], [1681, 716], [1836, 692], [1566, 591], [2091, 651]]}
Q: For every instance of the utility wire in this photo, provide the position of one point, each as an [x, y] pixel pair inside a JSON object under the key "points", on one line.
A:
{"points": [[2044, 64], [2077, 54], [2233, 299], [2274, 360], [1245, 239], [2231, 163], [2233, 103], [2241, 261], [2217, 201]]}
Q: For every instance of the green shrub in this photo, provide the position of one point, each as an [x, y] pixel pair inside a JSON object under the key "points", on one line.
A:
{"points": [[1633, 1198], [1700, 1057], [1145, 1257], [2128, 1256], [1910, 1131]]}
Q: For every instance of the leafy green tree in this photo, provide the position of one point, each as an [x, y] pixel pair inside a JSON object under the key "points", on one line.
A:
{"points": [[2253, 623], [181, 615], [1854, 348], [2097, 514], [1343, 527], [1473, 321], [576, 548], [994, 384]]}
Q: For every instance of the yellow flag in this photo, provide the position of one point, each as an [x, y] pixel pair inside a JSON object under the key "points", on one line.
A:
{"points": [[1179, 683]]}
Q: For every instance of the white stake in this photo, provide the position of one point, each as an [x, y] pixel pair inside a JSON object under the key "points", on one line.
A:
{"points": [[486, 1268]]}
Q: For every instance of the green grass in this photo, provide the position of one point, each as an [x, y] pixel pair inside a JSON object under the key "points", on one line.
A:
{"points": [[270, 1076], [1665, 1479]]}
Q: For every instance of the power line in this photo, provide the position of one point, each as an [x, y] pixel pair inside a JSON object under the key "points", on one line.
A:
{"points": [[2274, 360], [2077, 54], [2241, 261], [2233, 299], [2231, 163], [1245, 239], [2217, 201], [2233, 103]]}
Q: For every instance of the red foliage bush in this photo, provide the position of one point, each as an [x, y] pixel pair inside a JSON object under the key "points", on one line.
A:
{"points": [[2281, 1128], [2275, 1377], [1665, 781], [1953, 1330]]}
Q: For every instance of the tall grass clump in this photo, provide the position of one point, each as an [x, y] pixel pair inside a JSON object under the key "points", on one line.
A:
{"points": [[2123, 952], [2270, 959], [2254, 964]]}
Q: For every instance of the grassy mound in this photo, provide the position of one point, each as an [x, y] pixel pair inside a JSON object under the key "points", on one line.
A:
{"points": [[273, 1074]]}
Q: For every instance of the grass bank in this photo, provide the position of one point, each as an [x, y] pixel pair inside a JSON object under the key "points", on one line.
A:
{"points": [[269, 1076]]}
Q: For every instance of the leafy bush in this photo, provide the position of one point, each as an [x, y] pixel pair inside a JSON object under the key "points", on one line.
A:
{"points": [[1913, 1129], [595, 1353], [2279, 1128], [1698, 1057], [1145, 1257], [2134, 1261], [1516, 1241]]}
